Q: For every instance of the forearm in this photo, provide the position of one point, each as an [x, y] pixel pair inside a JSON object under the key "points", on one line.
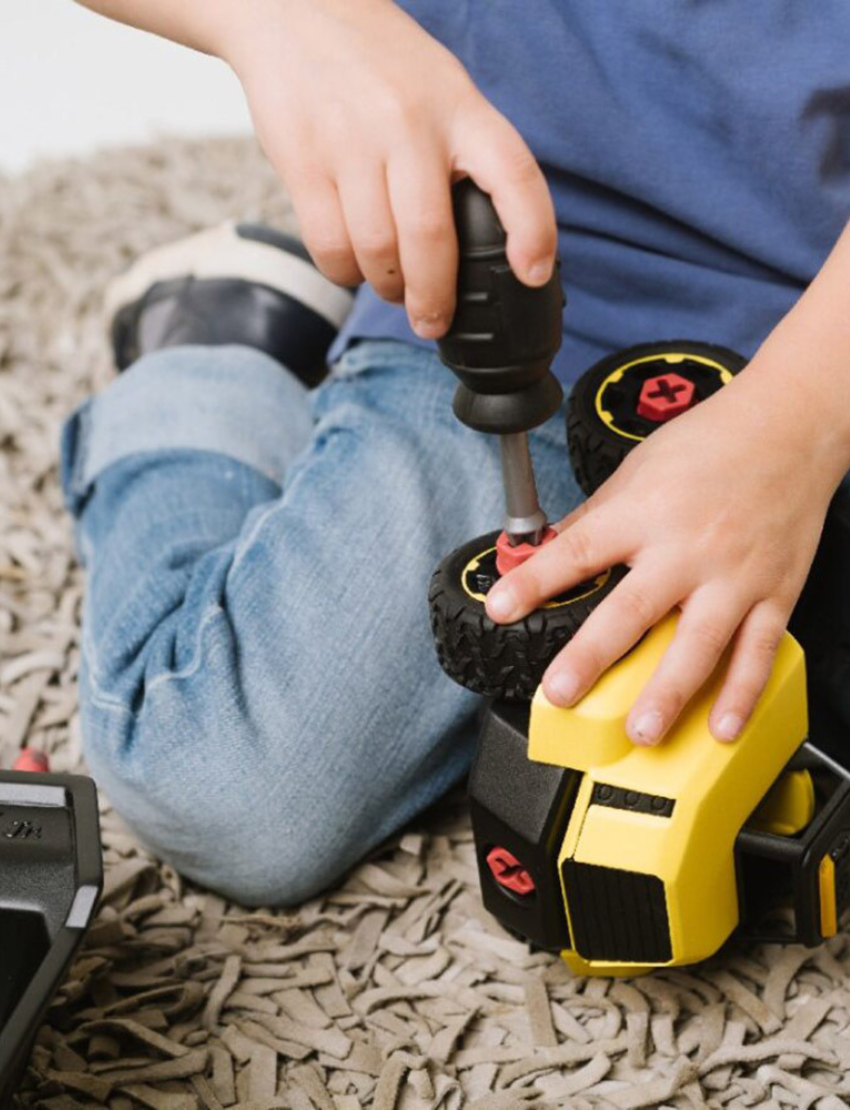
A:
{"points": [[205, 25], [803, 368], [211, 26]]}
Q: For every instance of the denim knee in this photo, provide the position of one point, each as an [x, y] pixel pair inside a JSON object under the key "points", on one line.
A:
{"points": [[231, 823]]}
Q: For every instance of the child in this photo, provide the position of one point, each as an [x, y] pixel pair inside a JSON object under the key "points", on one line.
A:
{"points": [[260, 694]]}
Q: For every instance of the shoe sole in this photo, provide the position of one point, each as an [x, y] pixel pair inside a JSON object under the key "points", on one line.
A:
{"points": [[221, 253]]}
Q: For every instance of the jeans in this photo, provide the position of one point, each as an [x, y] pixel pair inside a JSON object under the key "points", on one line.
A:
{"points": [[260, 695]]}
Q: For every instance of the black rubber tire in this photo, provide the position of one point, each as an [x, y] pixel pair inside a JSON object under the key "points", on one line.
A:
{"points": [[502, 661], [596, 450]]}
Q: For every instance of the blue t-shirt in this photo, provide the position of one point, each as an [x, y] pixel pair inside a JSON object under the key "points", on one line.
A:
{"points": [[698, 152]]}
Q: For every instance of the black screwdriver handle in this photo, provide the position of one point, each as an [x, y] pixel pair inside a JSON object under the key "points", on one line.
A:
{"points": [[504, 334]]}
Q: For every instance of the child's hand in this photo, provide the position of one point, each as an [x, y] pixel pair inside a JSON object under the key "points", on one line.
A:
{"points": [[368, 120], [719, 513]]}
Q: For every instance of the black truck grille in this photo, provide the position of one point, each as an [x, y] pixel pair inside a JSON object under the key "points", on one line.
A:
{"points": [[616, 915]]}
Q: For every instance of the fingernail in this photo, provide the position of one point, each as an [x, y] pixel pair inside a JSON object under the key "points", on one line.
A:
{"points": [[501, 603], [562, 688], [540, 272], [647, 729], [729, 726], [429, 327]]}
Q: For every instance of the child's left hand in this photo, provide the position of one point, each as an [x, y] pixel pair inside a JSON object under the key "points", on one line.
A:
{"points": [[719, 513]]}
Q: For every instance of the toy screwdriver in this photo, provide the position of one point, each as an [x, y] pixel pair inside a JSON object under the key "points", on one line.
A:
{"points": [[501, 343]]}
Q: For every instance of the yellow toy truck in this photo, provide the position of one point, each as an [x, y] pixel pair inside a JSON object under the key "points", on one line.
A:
{"points": [[621, 858]]}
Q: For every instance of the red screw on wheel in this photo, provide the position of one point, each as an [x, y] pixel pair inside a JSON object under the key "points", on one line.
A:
{"points": [[508, 557], [664, 397]]}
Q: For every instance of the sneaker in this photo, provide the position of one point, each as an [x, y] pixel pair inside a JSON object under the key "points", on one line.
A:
{"points": [[237, 283]]}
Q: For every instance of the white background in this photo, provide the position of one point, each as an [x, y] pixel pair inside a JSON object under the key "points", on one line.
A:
{"points": [[72, 81]]}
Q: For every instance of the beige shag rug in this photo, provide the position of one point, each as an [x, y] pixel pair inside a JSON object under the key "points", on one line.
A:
{"points": [[396, 990]]}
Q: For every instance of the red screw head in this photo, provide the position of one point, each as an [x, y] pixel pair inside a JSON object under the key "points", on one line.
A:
{"points": [[508, 557], [665, 396], [509, 872]]}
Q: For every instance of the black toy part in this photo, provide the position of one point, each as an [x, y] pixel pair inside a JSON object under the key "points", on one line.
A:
{"points": [[520, 811], [781, 871], [51, 874]]}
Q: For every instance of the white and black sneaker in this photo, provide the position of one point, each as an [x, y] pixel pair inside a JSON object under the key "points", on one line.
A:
{"points": [[237, 283]]}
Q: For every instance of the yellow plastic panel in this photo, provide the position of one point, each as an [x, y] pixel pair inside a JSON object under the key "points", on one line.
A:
{"points": [[593, 732], [788, 807], [580, 966]]}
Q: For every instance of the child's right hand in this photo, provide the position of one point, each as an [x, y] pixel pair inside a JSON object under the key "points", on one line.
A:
{"points": [[368, 120]]}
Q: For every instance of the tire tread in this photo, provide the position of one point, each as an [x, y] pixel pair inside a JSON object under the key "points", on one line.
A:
{"points": [[498, 661]]}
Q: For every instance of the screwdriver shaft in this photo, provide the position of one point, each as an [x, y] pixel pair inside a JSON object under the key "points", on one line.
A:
{"points": [[526, 521]]}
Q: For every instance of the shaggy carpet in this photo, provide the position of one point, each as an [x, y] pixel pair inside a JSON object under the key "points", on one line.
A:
{"points": [[395, 990]]}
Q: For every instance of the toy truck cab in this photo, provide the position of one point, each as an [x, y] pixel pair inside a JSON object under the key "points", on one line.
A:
{"points": [[624, 858]]}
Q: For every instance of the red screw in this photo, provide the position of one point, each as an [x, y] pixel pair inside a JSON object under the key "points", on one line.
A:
{"points": [[508, 557], [664, 397], [509, 872]]}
